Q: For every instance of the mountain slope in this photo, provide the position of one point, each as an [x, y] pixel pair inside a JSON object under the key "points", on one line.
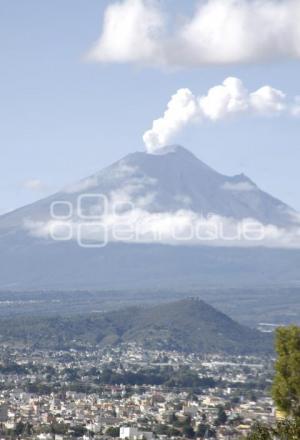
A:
{"points": [[194, 326], [188, 326], [170, 182], [167, 182]]}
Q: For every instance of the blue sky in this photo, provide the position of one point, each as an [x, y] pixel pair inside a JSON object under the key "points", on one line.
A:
{"points": [[62, 118]]}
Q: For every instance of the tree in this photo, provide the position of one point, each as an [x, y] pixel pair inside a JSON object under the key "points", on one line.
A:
{"points": [[286, 430], [113, 431], [286, 388], [188, 431], [221, 417], [201, 430], [260, 432], [58, 428], [161, 429], [79, 431], [286, 385], [205, 431], [172, 418], [19, 429]]}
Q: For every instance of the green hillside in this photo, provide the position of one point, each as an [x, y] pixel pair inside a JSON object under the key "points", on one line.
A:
{"points": [[188, 326]]}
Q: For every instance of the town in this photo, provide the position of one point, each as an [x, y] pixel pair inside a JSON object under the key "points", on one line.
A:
{"points": [[129, 392]]}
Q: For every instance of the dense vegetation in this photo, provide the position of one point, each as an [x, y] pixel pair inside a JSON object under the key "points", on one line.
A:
{"points": [[250, 306], [286, 388], [284, 430], [182, 378], [187, 326]]}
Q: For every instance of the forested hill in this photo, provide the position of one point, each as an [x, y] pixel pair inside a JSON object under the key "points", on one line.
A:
{"points": [[188, 326]]}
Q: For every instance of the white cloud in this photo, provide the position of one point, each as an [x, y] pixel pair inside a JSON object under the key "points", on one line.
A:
{"points": [[267, 101], [126, 217], [295, 109], [183, 227], [228, 99], [35, 185], [131, 33], [219, 32], [242, 31]]}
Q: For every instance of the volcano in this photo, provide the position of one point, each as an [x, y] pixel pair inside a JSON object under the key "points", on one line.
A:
{"points": [[172, 183]]}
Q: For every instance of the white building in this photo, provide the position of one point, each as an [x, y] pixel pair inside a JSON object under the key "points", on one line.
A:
{"points": [[129, 433]]}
